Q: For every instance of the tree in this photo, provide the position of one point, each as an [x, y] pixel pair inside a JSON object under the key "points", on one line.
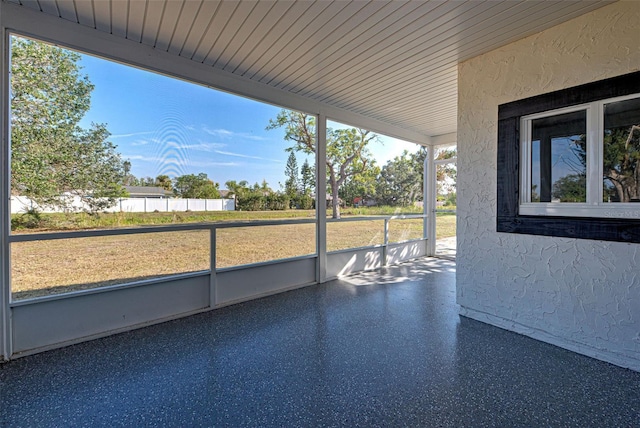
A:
{"points": [[257, 197], [307, 178], [237, 189], [621, 167], [450, 170], [291, 172], [53, 159], [196, 187], [347, 153], [164, 181], [621, 162], [400, 181], [570, 188], [263, 187], [147, 181], [363, 185], [446, 175], [243, 195], [129, 179]]}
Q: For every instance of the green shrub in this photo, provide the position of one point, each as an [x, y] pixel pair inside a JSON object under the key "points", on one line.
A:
{"points": [[30, 219], [303, 202], [251, 202], [277, 202]]}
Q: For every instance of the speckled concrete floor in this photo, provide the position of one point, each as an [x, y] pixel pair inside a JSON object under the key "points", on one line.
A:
{"points": [[377, 349], [446, 247]]}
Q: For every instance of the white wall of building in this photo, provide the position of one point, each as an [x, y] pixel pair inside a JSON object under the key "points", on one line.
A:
{"points": [[581, 294]]}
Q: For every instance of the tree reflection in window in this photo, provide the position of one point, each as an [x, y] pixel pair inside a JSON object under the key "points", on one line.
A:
{"points": [[621, 154], [558, 158]]}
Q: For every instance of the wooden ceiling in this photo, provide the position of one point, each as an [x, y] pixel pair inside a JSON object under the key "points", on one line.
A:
{"points": [[394, 61]]}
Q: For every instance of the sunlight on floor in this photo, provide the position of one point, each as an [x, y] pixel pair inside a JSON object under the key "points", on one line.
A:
{"points": [[412, 270]]}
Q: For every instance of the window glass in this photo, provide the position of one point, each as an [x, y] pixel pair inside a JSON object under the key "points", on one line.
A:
{"points": [[559, 158], [621, 151]]}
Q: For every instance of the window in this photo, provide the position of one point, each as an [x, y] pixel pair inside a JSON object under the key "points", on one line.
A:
{"points": [[582, 161], [569, 162]]}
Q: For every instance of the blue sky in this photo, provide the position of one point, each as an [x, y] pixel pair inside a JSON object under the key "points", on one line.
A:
{"points": [[167, 126], [564, 160]]}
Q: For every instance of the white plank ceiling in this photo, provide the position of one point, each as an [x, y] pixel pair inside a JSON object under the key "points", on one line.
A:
{"points": [[394, 61]]}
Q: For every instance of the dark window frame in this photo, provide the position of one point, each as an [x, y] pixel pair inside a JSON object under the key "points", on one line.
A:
{"points": [[508, 218]]}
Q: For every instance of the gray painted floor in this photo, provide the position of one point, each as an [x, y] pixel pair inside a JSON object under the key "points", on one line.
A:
{"points": [[377, 349]]}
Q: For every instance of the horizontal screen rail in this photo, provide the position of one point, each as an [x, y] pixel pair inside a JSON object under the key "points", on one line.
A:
{"points": [[151, 229], [376, 217], [28, 237]]}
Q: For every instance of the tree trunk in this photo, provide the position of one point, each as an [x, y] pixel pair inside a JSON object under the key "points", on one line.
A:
{"points": [[335, 204], [620, 190], [635, 197], [618, 181]]}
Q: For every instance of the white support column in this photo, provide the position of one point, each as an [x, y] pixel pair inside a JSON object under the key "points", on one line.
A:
{"points": [[213, 293], [385, 242], [321, 197], [425, 198], [6, 346], [430, 201]]}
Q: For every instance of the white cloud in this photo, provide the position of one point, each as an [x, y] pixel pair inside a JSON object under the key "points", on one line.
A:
{"points": [[143, 158], [204, 147], [217, 132], [133, 134], [181, 162], [225, 133], [205, 164], [139, 143], [240, 155]]}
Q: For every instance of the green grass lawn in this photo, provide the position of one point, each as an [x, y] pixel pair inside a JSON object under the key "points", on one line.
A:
{"points": [[53, 266], [29, 223]]}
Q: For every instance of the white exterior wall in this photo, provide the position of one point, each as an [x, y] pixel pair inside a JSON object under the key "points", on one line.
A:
{"points": [[580, 294]]}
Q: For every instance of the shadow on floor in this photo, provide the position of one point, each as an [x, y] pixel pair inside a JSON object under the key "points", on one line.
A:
{"points": [[446, 248], [375, 349]]}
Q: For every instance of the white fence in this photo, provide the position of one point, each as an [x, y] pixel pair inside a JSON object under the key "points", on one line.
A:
{"points": [[20, 204]]}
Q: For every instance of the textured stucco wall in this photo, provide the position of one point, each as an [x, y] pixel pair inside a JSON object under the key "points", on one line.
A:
{"points": [[580, 294]]}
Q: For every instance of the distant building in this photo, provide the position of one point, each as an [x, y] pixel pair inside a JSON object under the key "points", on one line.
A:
{"points": [[364, 202], [148, 192], [224, 194]]}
